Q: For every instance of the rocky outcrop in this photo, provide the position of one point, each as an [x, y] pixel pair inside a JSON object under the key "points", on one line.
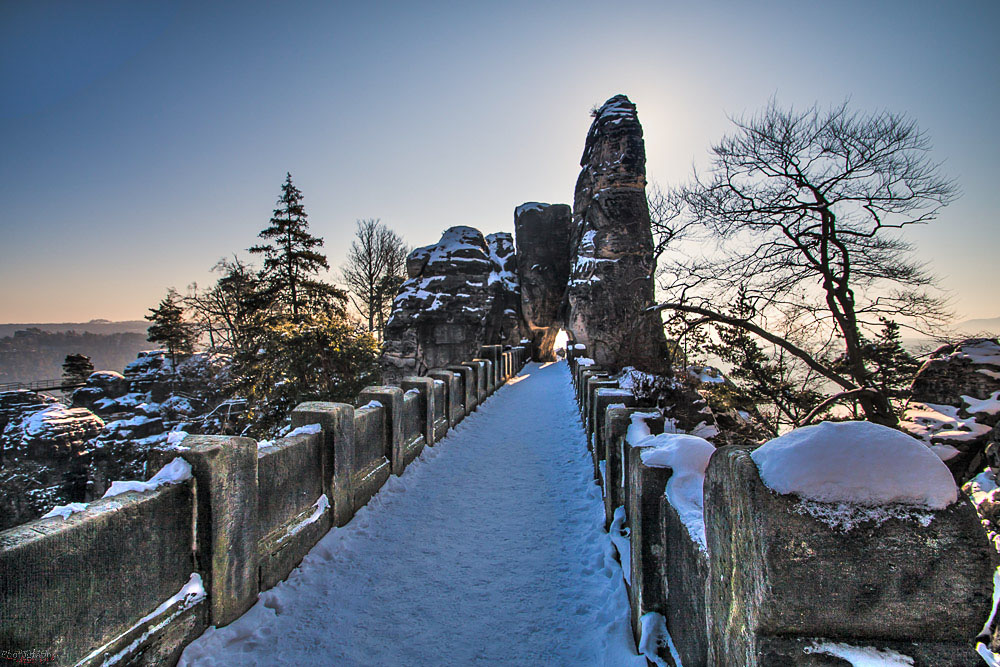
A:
{"points": [[504, 281], [101, 385], [453, 301], [16, 404], [611, 280], [954, 404], [53, 455], [543, 242], [47, 458]]}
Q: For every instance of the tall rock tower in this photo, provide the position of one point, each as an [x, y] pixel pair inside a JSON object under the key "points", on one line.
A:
{"points": [[542, 232], [611, 279]]}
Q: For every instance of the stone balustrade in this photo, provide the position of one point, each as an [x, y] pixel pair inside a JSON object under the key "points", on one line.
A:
{"points": [[769, 585], [136, 577]]}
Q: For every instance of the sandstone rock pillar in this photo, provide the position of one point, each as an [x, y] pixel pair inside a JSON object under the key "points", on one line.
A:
{"points": [[611, 278], [543, 247]]}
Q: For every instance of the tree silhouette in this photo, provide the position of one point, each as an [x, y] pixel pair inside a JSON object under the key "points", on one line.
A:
{"points": [[169, 327], [292, 259]]}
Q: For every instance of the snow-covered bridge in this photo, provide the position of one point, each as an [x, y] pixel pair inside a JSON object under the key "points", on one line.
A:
{"points": [[489, 549]]}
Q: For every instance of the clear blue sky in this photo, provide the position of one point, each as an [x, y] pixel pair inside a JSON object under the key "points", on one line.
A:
{"points": [[143, 141]]}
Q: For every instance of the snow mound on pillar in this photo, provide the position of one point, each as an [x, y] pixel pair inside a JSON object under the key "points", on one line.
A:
{"points": [[858, 463], [687, 456]]}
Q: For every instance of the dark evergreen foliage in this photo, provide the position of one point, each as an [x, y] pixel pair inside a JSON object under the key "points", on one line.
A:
{"points": [[169, 327], [76, 368], [292, 259]]}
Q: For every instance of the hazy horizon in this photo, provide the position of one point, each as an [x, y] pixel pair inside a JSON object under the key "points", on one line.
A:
{"points": [[144, 142]]}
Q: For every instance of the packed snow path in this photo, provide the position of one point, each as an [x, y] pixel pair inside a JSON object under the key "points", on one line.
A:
{"points": [[490, 549]]}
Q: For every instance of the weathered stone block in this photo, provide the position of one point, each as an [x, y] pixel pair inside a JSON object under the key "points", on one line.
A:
{"points": [[686, 587], [469, 391], [487, 382], [225, 468], [414, 418], [337, 422], [778, 572], [391, 399], [495, 354], [589, 417], [424, 385], [69, 587], [644, 489], [478, 379], [370, 467], [454, 393], [603, 398], [616, 424], [291, 515]]}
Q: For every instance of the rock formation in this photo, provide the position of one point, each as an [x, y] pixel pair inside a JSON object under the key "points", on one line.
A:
{"points": [[954, 404], [46, 455], [52, 455], [543, 233], [611, 281], [453, 301], [504, 281]]}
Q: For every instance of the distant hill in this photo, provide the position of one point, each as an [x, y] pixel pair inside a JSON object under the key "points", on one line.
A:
{"points": [[988, 325], [36, 351], [93, 326]]}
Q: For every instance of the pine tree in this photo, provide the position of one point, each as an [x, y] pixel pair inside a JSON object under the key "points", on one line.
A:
{"points": [[292, 259], [169, 327], [769, 384], [76, 369], [890, 366]]}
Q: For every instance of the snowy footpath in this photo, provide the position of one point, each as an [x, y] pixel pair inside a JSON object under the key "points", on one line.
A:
{"points": [[488, 550]]}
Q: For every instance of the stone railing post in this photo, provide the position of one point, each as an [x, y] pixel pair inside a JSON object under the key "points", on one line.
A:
{"points": [[616, 425], [470, 392], [648, 559], [453, 394], [425, 385], [391, 399], [478, 379], [781, 580], [225, 470], [337, 421]]}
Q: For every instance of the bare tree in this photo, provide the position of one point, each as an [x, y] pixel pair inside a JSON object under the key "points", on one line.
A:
{"points": [[232, 312], [666, 218], [806, 208], [374, 270]]}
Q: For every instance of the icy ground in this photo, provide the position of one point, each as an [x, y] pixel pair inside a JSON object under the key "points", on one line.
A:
{"points": [[488, 550]]}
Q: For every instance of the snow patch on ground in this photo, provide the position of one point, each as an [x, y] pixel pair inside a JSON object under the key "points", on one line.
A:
{"points": [[984, 351], [857, 463], [55, 417], [989, 405], [936, 423], [619, 533]]}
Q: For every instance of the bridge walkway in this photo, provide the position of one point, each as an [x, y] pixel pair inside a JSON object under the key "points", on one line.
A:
{"points": [[488, 550]]}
